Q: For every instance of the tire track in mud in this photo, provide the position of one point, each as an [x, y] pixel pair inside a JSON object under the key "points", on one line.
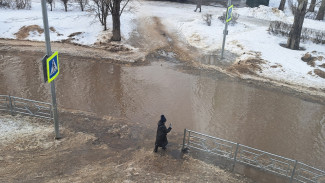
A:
{"points": [[152, 36]]}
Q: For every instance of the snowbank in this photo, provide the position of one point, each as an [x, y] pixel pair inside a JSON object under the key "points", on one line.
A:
{"points": [[263, 12], [64, 23], [282, 64]]}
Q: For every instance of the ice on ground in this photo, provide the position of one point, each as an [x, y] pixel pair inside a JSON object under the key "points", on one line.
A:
{"points": [[20, 128]]}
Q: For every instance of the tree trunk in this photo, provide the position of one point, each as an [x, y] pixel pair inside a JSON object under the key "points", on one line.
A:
{"points": [[312, 6], [321, 11], [81, 3], [65, 7], [282, 3], [105, 22], [81, 6], [295, 32], [116, 21], [51, 6], [103, 14]]}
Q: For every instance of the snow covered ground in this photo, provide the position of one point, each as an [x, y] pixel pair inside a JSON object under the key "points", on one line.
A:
{"points": [[64, 23], [248, 38]]}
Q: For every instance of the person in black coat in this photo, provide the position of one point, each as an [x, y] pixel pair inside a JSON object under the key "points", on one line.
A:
{"points": [[161, 137]]}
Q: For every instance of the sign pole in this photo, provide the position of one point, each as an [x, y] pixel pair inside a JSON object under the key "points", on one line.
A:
{"points": [[225, 32], [49, 53]]}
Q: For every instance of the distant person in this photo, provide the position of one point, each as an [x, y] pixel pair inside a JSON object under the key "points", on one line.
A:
{"points": [[198, 4], [161, 137]]}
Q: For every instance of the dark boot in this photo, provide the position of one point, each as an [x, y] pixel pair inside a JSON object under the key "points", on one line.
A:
{"points": [[156, 148]]}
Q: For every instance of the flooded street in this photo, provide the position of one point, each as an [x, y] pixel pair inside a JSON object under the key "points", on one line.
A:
{"points": [[210, 102]]}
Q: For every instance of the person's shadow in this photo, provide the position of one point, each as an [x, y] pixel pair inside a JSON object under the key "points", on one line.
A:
{"points": [[173, 150]]}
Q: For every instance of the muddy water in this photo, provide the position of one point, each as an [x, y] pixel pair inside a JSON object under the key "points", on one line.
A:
{"points": [[205, 101]]}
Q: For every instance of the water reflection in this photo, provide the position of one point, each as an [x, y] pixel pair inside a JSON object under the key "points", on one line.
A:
{"points": [[216, 60], [92, 87]]}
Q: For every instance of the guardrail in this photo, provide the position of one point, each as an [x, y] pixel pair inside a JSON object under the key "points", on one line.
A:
{"points": [[237, 153], [25, 106]]}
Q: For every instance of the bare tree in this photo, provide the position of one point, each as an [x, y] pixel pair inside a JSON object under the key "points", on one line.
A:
{"points": [[295, 32], [103, 8], [65, 2], [82, 4], [116, 11], [50, 2], [282, 4], [312, 6], [102, 11], [4, 4], [23, 4], [292, 6], [321, 11]]}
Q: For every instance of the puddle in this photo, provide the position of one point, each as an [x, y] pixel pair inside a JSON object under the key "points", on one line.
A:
{"points": [[216, 60], [210, 103], [176, 154], [167, 54]]}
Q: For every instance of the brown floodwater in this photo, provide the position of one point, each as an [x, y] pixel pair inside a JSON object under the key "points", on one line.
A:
{"points": [[266, 118]]}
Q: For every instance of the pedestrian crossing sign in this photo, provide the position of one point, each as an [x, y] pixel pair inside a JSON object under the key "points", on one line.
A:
{"points": [[52, 64], [229, 13]]}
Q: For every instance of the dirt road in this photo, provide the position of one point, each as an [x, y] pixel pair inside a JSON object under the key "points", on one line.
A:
{"points": [[97, 150]]}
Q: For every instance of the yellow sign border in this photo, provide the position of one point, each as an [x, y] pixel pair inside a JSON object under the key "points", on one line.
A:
{"points": [[48, 67], [227, 20]]}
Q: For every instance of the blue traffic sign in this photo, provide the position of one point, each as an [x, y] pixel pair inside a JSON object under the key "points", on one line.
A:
{"points": [[229, 13], [52, 67]]}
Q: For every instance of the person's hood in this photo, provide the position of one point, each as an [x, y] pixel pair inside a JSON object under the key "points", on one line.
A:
{"points": [[160, 123], [162, 120]]}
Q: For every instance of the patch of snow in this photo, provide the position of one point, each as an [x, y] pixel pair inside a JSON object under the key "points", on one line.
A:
{"points": [[15, 128], [263, 12]]}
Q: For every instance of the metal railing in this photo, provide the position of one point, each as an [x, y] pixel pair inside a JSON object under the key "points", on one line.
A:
{"points": [[237, 153], [25, 106]]}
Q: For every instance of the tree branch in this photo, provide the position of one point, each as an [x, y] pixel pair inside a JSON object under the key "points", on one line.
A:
{"points": [[127, 1], [110, 5]]}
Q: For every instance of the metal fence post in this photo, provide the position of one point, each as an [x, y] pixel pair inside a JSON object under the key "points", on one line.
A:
{"points": [[235, 157], [10, 104], [189, 136], [51, 113], [293, 171], [184, 139]]}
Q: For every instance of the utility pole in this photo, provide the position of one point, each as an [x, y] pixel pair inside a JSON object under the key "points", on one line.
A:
{"points": [[49, 53], [225, 32]]}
